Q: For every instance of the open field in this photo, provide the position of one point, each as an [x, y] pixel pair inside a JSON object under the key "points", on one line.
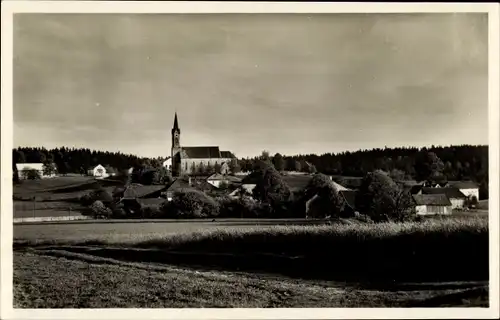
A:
{"points": [[81, 281], [230, 264]]}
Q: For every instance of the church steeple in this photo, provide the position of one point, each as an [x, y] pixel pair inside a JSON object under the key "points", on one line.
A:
{"points": [[176, 125]]}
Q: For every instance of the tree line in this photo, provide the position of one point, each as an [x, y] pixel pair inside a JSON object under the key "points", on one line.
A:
{"points": [[464, 162]]}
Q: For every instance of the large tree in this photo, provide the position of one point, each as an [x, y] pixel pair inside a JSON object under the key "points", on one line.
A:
{"points": [[428, 166], [382, 199], [270, 187], [279, 162]]}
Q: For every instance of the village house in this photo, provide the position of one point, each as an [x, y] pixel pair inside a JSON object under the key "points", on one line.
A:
{"points": [[218, 179], [432, 204], [98, 171], [24, 168], [468, 188], [456, 197]]}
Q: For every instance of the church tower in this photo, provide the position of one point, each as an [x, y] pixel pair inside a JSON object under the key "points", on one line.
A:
{"points": [[176, 148]]}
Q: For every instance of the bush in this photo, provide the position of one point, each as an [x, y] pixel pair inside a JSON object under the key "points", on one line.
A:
{"points": [[245, 207], [31, 174], [151, 211], [193, 204], [99, 210]]}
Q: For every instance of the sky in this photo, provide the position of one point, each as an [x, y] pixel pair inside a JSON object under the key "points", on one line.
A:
{"points": [[287, 83]]}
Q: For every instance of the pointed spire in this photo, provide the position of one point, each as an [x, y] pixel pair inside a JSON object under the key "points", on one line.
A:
{"points": [[176, 124]]}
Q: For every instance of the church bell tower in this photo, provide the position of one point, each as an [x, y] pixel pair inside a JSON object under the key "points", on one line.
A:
{"points": [[176, 148]]}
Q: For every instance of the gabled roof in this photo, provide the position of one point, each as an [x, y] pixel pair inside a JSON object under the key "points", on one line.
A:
{"points": [[178, 184], [349, 197], [29, 166], [463, 184], [227, 155], [451, 193], [139, 191], [201, 152], [431, 200], [220, 177]]}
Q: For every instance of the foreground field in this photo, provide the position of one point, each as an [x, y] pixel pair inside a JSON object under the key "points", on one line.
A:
{"points": [[219, 264], [87, 282]]}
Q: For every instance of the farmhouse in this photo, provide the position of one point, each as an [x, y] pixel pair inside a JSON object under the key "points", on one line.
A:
{"points": [[98, 171], [24, 168], [456, 197], [189, 160], [432, 204], [468, 188]]}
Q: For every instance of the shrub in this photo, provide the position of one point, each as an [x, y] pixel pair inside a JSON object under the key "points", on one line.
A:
{"points": [[31, 174], [193, 204], [244, 207], [99, 210], [151, 211]]}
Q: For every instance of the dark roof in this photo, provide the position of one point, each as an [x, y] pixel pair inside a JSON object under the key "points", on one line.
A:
{"points": [[463, 184], [431, 199], [451, 193], [138, 190], [413, 189], [350, 198], [202, 152], [297, 182], [178, 184], [218, 176], [151, 201], [227, 154]]}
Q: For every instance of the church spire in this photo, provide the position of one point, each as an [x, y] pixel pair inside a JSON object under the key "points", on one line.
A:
{"points": [[176, 124]]}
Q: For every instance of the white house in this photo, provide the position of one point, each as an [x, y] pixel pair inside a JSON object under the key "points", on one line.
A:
{"points": [[432, 204], [98, 171], [468, 188], [247, 188], [217, 179], [23, 168], [168, 163]]}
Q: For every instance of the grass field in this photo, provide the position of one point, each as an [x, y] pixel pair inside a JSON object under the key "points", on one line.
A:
{"points": [[79, 281], [54, 196], [229, 264]]}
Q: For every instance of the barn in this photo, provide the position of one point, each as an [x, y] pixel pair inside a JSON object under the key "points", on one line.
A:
{"points": [[432, 204], [456, 197]]}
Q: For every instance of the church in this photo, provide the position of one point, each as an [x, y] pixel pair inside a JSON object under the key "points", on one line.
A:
{"points": [[188, 160]]}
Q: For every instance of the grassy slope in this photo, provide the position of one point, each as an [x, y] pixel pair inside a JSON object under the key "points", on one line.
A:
{"points": [[378, 252], [55, 282]]}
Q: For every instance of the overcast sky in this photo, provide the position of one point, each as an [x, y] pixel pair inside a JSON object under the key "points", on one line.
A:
{"points": [[284, 83]]}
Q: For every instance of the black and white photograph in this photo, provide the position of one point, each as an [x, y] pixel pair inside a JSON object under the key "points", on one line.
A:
{"points": [[281, 159]]}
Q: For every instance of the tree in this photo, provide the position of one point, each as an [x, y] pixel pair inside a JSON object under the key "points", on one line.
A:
{"points": [[31, 174], [162, 176], [193, 168], [217, 167], [397, 174], [265, 156], [428, 166], [270, 187], [201, 169], [49, 169], [298, 166], [234, 166], [382, 199], [312, 169], [325, 199], [210, 169], [279, 162]]}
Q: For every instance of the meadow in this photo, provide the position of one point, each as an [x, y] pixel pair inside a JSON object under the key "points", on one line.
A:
{"points": [[202, 264]]}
